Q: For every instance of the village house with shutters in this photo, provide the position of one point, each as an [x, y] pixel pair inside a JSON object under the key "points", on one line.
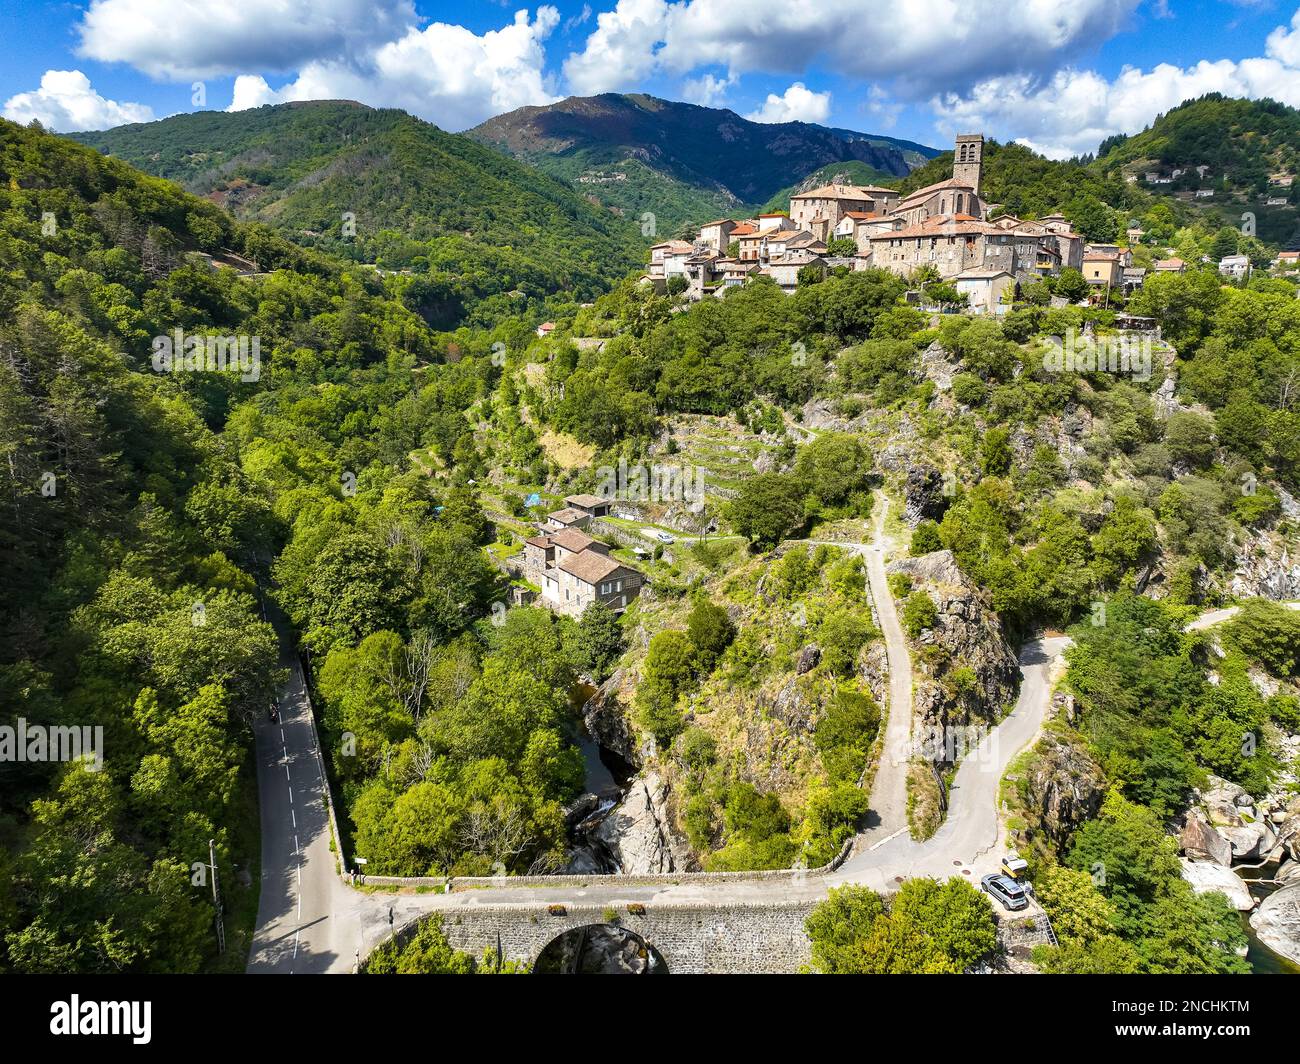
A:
{"points": [[947, 226], [573, 569]]}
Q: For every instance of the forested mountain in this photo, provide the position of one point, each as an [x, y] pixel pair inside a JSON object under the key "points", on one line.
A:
{"points": [[681, 162], [1236, 149], [1239, 142], [377, 479], [145, 513], [485, 236]]}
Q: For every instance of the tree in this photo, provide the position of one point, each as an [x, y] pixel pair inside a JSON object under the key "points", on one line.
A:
{"points": [[835, 469], [840, 926], [1072, 285], [768, 508], [1190, 439], [1269, 633], [669, 671], [600, 639], [925, 539], [919, 613], [710, 631], [997, 452], [427, 952], [929, 927]]}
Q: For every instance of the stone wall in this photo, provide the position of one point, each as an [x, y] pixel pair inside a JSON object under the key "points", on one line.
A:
{"points": [[704, 939]]}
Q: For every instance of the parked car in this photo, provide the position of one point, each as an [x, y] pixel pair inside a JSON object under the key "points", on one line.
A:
{"points": [[1011, 894], [665, 537]]}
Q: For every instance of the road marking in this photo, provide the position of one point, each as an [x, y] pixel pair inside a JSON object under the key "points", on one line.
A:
{"points": [[293, 814], [286, 771], [882, 842], [291, 796]]}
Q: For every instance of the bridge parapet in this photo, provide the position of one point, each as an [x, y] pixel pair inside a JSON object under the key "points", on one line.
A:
{"points": [[720, 938]]}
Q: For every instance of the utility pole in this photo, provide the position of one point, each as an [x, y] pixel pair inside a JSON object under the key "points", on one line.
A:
{"points": [[216, 896]]}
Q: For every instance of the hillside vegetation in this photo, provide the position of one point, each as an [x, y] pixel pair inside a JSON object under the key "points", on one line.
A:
{"points": [[483, 236]]}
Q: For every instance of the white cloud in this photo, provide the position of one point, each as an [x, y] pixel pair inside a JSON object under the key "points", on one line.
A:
{"points": [[621, 50], [708, 91], [922, 45], [66, 102], [444, 73], [179, 39], [797, 104], [1074, 110]]}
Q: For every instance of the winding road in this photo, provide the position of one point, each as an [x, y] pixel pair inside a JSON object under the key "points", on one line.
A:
{"points": [[310, 920]]}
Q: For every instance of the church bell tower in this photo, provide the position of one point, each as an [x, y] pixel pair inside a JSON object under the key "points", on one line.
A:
{"points": [[967, 159]]}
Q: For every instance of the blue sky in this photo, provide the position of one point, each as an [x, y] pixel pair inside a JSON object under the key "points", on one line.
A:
{"points": [[1055, 74]]}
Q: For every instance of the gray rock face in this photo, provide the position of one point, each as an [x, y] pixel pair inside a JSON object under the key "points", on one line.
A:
{"points": [[923, 495], [1288, 832], [1277, 922], [639, 833], [809, 656], [1062, 788], [1206, 877], [1250, 842], [607, 721], [1223, 801], [969, 634], [1202, 841], [1265, 569]]}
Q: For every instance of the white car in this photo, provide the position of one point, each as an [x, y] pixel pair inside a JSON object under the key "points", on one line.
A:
{"points": [[665, 537]]}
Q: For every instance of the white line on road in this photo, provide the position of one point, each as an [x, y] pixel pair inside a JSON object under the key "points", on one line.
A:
{"points": [[886, 839]]}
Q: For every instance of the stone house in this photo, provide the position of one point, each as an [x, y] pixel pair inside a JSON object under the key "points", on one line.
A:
{"points": [[592, 505], [1170, 266], [860, 226], [954, 245], [568, 517], [577, 578], [668, 259], [820, 210], [785, 272], [942, 199]]}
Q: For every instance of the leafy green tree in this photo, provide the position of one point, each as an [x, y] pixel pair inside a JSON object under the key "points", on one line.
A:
{"points": [[925, 539], [919, 613], [710, 631], [768, 508], [600, 639]]}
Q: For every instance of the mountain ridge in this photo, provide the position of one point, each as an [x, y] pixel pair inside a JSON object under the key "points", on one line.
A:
{"points": [[707, 161]]}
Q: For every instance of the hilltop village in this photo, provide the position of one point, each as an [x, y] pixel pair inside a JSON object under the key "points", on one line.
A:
{"points": [[948, 231]]}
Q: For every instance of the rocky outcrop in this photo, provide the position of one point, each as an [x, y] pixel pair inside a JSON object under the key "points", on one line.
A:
{"points": [[1201, 840], [809, 657], [638, 833], [938, 366], [967, 635], [923, 495], [1265, 569], [1207, 877], [1288, 832], [1061, 788], [1277, 922], [607, 720]]}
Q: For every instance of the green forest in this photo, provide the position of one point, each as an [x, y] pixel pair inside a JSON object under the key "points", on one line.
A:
{"points": [[372, 480]]}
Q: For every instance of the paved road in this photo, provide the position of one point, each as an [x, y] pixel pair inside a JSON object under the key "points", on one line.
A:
{"points": [[888, 813], [1213, 617], [309, 921]]}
